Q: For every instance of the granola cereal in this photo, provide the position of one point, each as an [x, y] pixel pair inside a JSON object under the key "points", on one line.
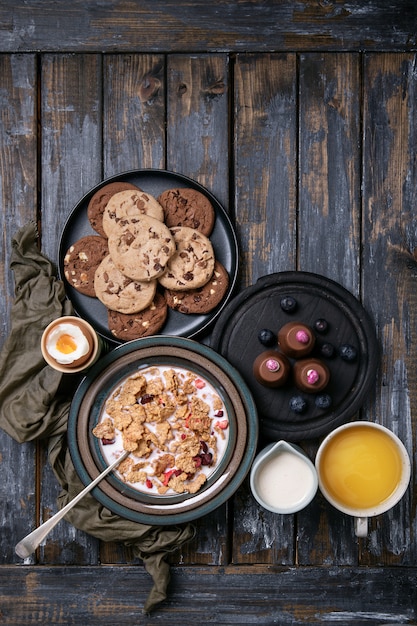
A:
{"points": [[174, 424]]}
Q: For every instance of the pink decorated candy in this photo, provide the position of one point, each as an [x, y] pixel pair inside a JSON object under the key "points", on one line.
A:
{"points": [[312, 377], [302, 336], [272, 365]]}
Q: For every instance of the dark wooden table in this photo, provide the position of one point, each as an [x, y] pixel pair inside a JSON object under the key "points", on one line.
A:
{"points": [[301, 118]]}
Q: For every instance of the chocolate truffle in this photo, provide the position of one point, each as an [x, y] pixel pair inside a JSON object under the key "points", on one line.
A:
{"points": [[271, 369], [296, 339], [311, 375]]}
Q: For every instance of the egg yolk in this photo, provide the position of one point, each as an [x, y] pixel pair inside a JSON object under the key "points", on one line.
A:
{"points": [[65, 344]]}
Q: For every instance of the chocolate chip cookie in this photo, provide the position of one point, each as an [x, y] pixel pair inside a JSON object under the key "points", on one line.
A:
{"points": [[81, 261], [99, 201], [142, 249], [135, 325], [192, 264], [201, 300], [188, 207], [127, 207], [120, 293]]}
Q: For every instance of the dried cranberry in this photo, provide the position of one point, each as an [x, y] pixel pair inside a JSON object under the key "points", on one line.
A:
{"points": [[219, 413], [206, 459], [107, 442], [147, 397], [204, 446]]}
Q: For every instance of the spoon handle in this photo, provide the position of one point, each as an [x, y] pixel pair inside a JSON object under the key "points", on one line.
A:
{"points": [[28, 544]]}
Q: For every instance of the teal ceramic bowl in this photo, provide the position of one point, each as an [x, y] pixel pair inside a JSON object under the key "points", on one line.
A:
{"points": [[92, 394]]}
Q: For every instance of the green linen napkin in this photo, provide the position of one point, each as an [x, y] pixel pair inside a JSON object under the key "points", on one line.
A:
{"points": [[35, 402]]}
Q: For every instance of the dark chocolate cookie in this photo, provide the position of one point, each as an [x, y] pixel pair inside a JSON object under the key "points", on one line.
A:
{"points": [[136, 325], [99, 200], [81, 261], [188, 207], [201, 300]]}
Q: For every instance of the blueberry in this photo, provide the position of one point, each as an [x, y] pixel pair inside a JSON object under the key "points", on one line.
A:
{"points": [[327, 350], [298, 404], [321, 325], [348, 352], [288, 304], [323, 401], [267, 337]]}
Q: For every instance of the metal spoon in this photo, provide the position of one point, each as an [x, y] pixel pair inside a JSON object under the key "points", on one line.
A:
{"points": [[28, 544]]}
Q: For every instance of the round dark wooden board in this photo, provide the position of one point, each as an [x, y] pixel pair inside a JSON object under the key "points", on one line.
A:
{"points": [[236, 337]]}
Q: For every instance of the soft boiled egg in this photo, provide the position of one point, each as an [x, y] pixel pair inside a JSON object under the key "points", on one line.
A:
{"points": [[67, 343]]}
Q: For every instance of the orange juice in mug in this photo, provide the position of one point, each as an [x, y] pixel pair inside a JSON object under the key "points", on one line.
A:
{"points": [[363, 470]]}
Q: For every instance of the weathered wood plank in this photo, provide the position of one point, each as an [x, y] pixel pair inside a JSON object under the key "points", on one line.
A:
{"points": [[197, 146], [329, 161], [329, 239], [104, 596], [197, 120], [265, 138], [71, 164], [133, 112], [71, 138], [389, 275], [18, 205], [196, 26], [18, 164]]}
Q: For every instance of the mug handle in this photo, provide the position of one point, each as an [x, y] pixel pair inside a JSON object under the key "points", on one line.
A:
{"points": [[361, 526]]}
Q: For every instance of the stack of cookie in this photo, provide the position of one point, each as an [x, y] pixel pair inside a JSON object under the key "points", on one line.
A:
{"points": [[149, 255]]}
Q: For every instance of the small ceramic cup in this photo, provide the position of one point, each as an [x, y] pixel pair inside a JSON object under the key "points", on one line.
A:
{"points": [[70, 345], [363, 470], [283, 479]]}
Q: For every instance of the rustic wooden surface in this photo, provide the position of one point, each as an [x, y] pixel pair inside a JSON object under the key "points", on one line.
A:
{"points": [[198, 25], [300, 118]]}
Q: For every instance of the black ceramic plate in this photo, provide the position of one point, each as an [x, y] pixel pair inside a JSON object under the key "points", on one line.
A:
{"points": [[223, 239], [236, 333], [127, 359]]}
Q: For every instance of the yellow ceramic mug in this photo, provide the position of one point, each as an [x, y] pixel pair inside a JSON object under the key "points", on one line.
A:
{"points": [[363, 470]]}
